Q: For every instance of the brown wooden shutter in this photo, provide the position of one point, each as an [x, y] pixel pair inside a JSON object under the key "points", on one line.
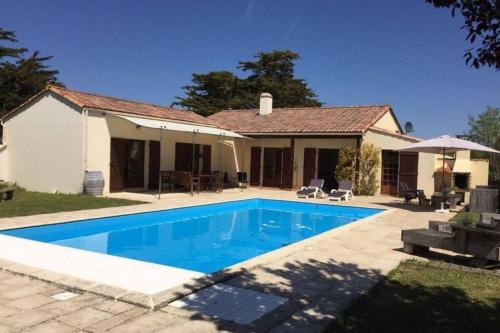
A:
{"points": [[207, 159], [154, 164], [117, 165], [309, 165], [255, 166], [287, 168]]}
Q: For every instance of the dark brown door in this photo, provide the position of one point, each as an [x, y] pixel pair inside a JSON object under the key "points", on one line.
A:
{"points": [[390, 166], [184, 157], [117, 165], [273, 161], [154, 164], [327, 163], [134, 167], [309, 165], [207, 159], [126, 164], [287, 168], [255, 166], [408, 169]]}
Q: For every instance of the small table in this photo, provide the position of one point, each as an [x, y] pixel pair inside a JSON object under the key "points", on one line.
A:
{"points": [[452, 200]]}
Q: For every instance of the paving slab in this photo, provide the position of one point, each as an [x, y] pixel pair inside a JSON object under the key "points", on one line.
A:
{"points": [[84, 317], [51, 326], [31, 302]]}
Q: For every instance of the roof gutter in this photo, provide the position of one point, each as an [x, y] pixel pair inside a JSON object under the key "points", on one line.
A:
{"points": [[302, 134], [106, 112]]}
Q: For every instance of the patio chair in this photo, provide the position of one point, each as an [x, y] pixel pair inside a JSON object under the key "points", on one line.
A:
{"points": [[408, 193], [314, 189], [185, 180], [344, 191]]}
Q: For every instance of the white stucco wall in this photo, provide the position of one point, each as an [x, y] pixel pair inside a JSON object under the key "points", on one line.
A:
{"points": [[425, 179], [479, 172], [44, 146], [101, 128], [387, 122], [3, 162]]}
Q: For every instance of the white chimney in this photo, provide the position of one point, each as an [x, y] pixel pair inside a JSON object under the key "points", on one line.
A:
{"points": [[266, 104]]}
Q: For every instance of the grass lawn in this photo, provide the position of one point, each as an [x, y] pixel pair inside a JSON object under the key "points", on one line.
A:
{"points": [[417, 297], [31, 203]]}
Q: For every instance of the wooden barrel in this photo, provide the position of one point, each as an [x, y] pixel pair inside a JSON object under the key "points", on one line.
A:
{"points": [[93, 182]]}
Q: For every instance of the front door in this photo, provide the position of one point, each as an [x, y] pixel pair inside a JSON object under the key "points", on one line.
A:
{"points": [[273, 161], [408, 169], [390, 168], [126, 164], [327, 163], [154, 164]]}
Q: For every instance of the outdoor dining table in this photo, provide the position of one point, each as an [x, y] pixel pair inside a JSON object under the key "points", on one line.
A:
{"points": [[206, 180]]}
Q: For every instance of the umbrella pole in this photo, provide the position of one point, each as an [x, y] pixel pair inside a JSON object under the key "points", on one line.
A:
{"points": [[442, 210], [159, 164], [192, 163], [442, 181]]}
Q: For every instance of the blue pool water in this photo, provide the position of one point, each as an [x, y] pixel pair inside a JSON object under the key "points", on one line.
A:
{"points": [[203, 238]]}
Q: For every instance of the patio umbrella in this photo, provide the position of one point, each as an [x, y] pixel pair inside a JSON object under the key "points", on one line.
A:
{"points": [[442, 145]]}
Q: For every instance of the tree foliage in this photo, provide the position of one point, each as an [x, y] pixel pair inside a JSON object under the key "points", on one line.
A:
{"points": [[271, 72], [369, 163], [346, 166], [485, 129], [21, 77], [482, 24]]}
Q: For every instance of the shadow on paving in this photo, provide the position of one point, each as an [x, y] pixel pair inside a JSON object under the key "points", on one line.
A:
{"points": [[412, 207], [315, 290], [397, 307]]}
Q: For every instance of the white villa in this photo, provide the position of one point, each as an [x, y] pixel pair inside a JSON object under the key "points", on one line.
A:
{"points": [[48, 142]]}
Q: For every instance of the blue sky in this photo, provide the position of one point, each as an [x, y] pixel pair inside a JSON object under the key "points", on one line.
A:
{"points": [[404, 53]]}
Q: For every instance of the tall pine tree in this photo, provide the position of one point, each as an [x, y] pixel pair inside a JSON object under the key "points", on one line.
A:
{"points": [[271, 72], [21, 78]]}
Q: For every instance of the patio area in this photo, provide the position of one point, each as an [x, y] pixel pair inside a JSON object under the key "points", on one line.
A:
{"points": [[318, 279]]}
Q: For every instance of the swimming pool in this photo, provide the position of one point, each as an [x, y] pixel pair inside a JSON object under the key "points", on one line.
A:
{"points": [[203, 238]]}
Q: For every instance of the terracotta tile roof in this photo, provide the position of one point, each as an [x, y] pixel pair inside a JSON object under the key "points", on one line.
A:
{"points": [[343, 119], [89, 100]]}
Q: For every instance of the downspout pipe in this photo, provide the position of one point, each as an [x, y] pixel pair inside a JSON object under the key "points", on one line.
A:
{"points": [[85, 143]]}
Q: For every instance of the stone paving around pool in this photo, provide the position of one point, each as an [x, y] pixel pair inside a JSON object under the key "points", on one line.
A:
{"points": [[319, 280]]}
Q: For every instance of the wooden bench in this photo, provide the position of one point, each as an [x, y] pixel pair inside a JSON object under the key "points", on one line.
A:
{"points": [[7, 193], [480, 241], [420, 240]]}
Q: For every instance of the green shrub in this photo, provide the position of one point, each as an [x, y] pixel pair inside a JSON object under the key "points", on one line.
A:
{"points": [[346, 167], [369, 163], [466, 218]]}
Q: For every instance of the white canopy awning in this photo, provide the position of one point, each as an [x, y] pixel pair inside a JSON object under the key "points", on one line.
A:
{"points": [[182, 127]]}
